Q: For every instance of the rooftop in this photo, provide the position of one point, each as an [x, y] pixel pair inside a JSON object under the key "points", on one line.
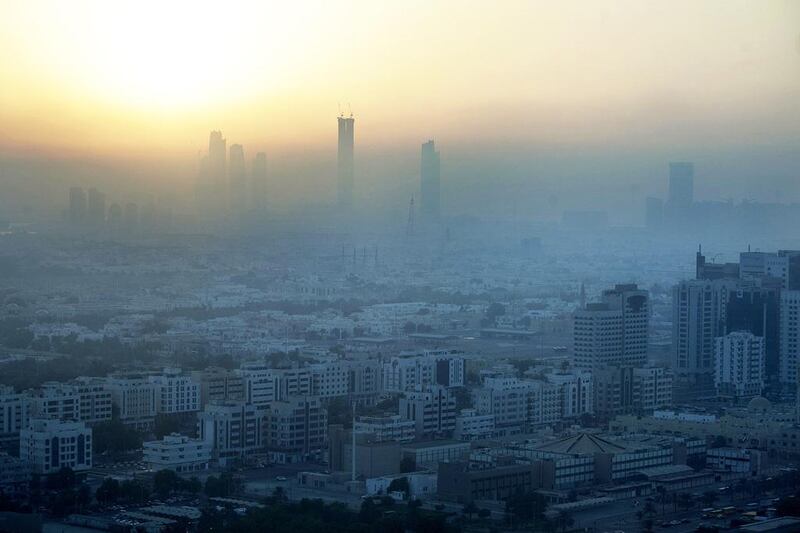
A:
{"points": [[583, 443]]}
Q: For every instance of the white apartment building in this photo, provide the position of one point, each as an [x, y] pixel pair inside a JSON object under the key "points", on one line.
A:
{"points": [[136, 399], [85, 400], [471, 426], [297, 428], [789, 331], [259, 383], [14, 415], [387, 428], [410, 372], [96, 403], [264, 384], [176, 392], [177, 452], [433, 411], [345, 378], [519, 403], [50, 444], [699, 310], [577, 391], [655, 387], [330, 380], [739, 365], [232, 429]]}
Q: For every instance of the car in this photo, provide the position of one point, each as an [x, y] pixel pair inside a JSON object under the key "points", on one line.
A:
{"points": [[281, 478], [685, 520], [675, 522]]}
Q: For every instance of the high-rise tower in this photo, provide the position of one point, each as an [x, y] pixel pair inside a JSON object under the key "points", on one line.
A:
{"points": [[681, 184], [258, 184], [238, 181], [217, 167], [614, 331], [430, 182], [345, 166]]}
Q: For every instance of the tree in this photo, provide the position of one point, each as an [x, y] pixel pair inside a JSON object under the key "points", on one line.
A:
{"points": [[134, 491], [108, 492], [114, 437], [165, 482], [83, 497], [64, 479], [369, 512]]}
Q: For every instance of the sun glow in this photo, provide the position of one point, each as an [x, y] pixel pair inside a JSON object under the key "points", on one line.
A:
{"points": [[178, 54]]}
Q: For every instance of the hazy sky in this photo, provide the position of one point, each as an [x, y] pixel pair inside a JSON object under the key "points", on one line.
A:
{"points": [[149, 79], [105, 75]]}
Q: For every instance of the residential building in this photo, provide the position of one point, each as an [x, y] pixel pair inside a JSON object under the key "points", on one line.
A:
{"points": [[179, 453], [14, 415], [49, 444], [433, 411], [739, 359], [472, 426], [233, 430], [219, 384], [698, 317], [297, 429], [136, 399], [387, 428]]}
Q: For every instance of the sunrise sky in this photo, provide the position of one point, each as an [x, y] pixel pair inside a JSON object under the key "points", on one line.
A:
{"points": [[153, 77]]}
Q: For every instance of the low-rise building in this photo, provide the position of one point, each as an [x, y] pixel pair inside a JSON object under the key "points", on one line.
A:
{"points": [[387, 428], [429, 454], [179, 453], [15, 474], [463, 482], [736, 460], [472, 426]]}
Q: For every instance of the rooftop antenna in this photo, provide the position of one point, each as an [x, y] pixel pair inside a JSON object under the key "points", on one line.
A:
{"points": [[340, 109], [350, 109]]}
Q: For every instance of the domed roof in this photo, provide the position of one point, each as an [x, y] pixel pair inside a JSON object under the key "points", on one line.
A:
{"points": [[759, 403]]}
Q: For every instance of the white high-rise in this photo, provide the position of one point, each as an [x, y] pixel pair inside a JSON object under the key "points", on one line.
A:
{"points": [[789, 337], [739, 365], [699, 310]]}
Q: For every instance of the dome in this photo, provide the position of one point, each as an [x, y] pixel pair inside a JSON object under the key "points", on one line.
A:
{"points": [[759, 403]]}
